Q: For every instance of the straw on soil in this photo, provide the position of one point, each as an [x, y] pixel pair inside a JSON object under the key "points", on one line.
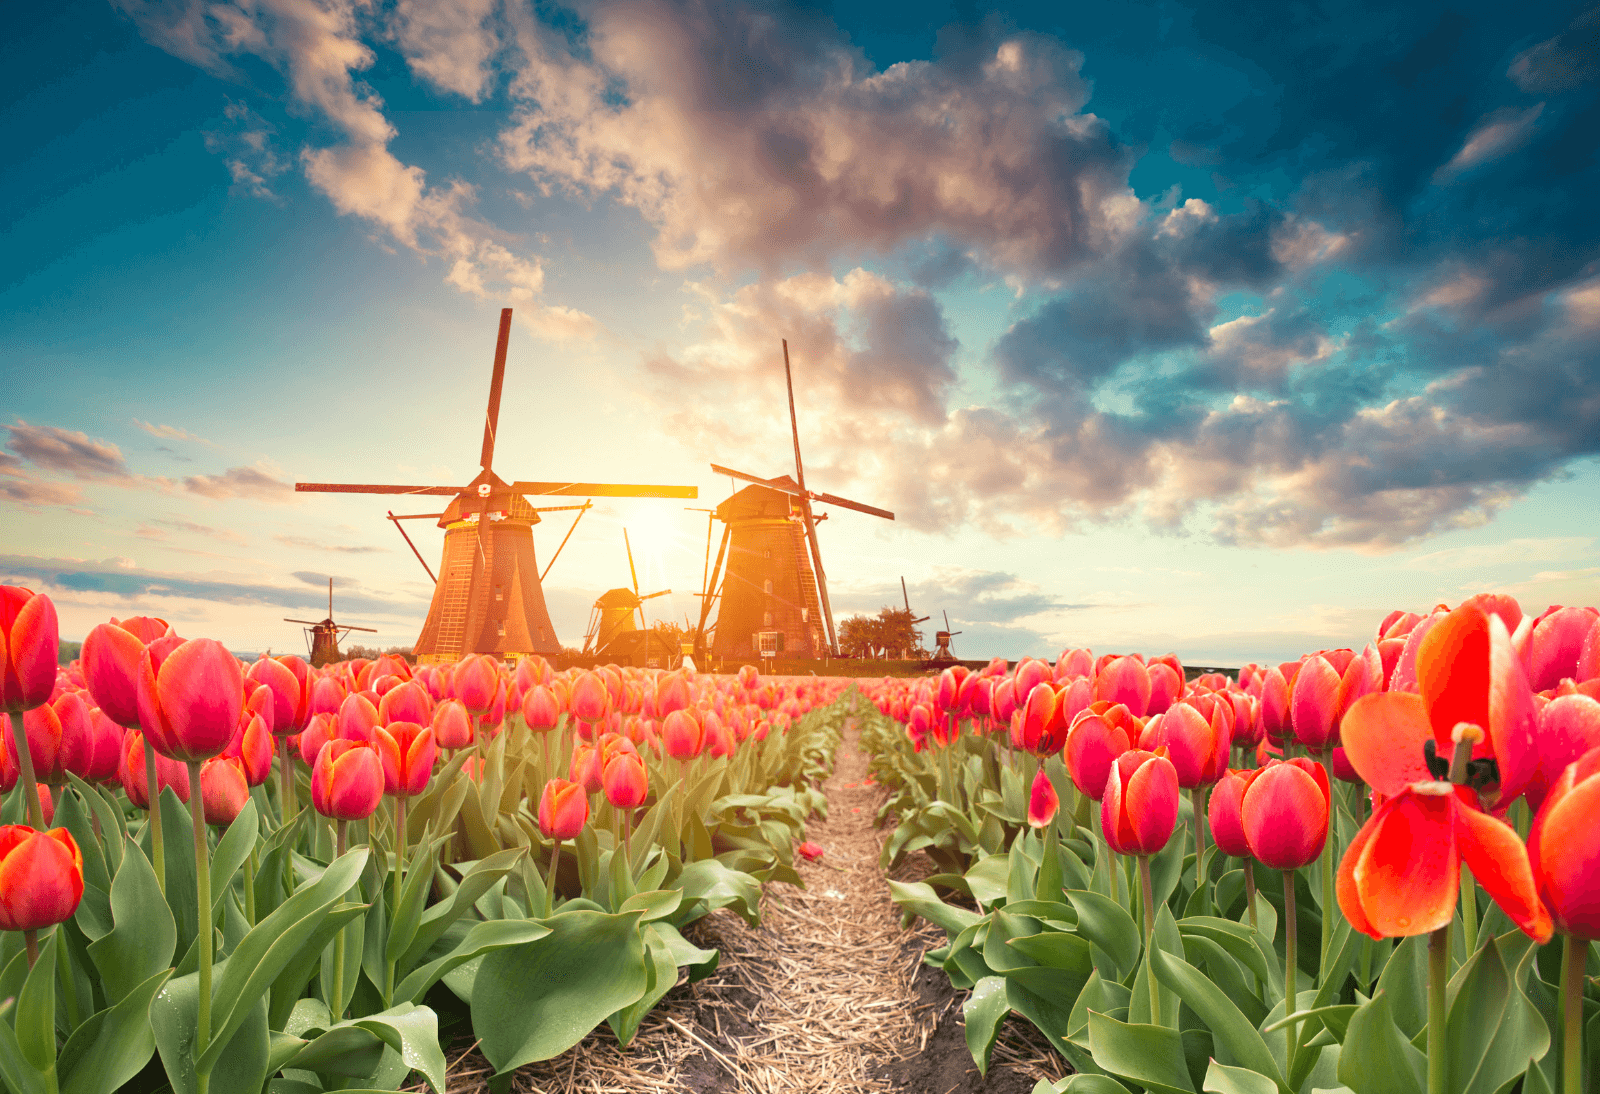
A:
{"points": [[829, 994]]}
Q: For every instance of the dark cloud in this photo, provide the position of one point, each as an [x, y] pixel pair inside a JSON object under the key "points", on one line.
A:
{"points": [[67, 452], [240, 482], [311, 577], [124, 579], [1570, 59]]}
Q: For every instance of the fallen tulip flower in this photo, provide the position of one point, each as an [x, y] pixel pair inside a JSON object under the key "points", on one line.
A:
{"points": [[809, 851]]}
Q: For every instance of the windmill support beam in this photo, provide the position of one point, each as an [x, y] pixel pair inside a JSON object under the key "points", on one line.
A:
{"points": [[411, 545], [705, 600]]}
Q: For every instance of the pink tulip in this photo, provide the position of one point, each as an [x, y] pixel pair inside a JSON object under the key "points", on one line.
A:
{"points": [[29, 648]]}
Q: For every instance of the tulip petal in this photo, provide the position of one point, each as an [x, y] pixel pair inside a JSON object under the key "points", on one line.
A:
{"points": [[1314, 704], [1408, 874], [1042, 801], [1285, 816], [1152, 803], [1383, 736], [1348, 891], [1499, 862]]}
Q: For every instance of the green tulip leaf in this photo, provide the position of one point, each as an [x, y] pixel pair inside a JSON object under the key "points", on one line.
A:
{"points": [[1098, 996], [36, 1009], [656, 904], [1226, 1022], [231, 852], [1222, 1079], [708, 885], [537, 1000], [1109, 926], [1377, 1057], [241, 1058], [1151, 1056], [143, 937], [982, 1014], [479, 940], [1493, 1032], [354, 1047], [700, 963], [479, 879], [662, 973], [19, 1075], [1058, 950], [413, 898], [114, 1044], [1081, 1084]]}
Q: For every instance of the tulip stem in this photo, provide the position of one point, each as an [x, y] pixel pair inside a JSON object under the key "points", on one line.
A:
{"points": [[1147, 891], [153, 798], [1575, 958], [1250, 892], [550, 886], [286, 804], [29, 783], [31, 940], [1330, 905], [250, 887], [1438, 978], [1291, 961], [1469, 908], [1197, 798], [394, 908], [336, 1003], [203, 928], [69, 983]]}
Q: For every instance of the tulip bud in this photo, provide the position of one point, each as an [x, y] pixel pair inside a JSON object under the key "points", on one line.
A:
{"points": [[1314, 704], [682, 735], [407, 752], [1042, 731], [107, 748], [1126, 681], [563, 810], [43, 729], [1227, 829], [346, 780], [223, 790], [326, 695], [41, 877], [252, 747], [190, 698], [1196, 744], [625, 781], [477, 677], [1042, 801], [405, 702], [1166, 687], [169, 773], [357, 718], [1284, 813], [319, 731], [30, 643], [1093, 745], [290, 702], [452, 725], [540, 709], [591, 702], [1140, 806]]}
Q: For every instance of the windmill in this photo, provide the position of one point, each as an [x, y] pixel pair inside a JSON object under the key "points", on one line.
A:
{"points": [[326, 635], [942, 638], [773, 597], [613, 636], [913, 619], [489, 596]]}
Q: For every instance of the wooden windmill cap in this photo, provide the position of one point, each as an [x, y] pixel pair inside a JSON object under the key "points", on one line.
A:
{"points": [[758, 503]]}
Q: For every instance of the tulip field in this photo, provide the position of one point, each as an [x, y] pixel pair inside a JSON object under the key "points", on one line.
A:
{"points": [[324, 850], [1372, 872]]}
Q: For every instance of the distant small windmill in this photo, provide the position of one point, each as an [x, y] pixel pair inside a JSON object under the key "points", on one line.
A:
{"points": [[774, 585], [324, 637], [942, 638], [489, 596], [613, 636]]}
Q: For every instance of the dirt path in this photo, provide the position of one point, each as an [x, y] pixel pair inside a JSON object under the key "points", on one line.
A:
{"points": [[828, 995]]}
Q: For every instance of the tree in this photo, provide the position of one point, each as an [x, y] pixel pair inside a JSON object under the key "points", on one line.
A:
{"points": [[890, 633]]}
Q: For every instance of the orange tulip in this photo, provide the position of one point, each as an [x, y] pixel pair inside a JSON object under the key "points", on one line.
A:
{"points": [[625, 781], [131, 771], [110, 660], [1284, 813], [540, 709], [41, 877], [405, 702], [291, 701], [1197, 742], [347, 780], [682, 735], [1092, 746], [563, 810], [190, 698], [252, 747], [1125, 680], [223, 790], [1227, 827], [30, 642], [452, 725], [591, 701], [407, 752], [1042, 730], [1140, 807]]}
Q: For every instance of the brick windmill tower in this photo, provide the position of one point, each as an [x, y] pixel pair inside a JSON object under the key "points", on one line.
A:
{"points": [[773, 598], [488, 597]]}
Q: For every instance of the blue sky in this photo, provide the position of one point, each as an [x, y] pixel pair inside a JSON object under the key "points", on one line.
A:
{"points": [[1159, 326]]}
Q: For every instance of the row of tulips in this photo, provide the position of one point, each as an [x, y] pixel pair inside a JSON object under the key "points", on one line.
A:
{"points": [[309, 948], [1345, 872]]}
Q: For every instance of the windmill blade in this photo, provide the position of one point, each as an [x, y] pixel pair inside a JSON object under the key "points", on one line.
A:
{"points": [[559, 508], [307, 622], [347, 627], [652, 596], [631, 572], [605, 490], [771, 484], [491, 419], [414, 516], [369, 488], [846, 503], [946, 618]]}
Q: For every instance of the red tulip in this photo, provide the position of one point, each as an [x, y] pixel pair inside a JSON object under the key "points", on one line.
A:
{"points": [[1042, 730], [1166, 687], [1093, 745], [291, 701], [1569, 726], [357, 718], [190, 698], [405, 702], [41, 877], [1314, 704], [1140, 805], [252, 747], [1029, 675], [719, 741], [452, 725], [591, 702], [477, 678], [326, 695], [110, 661], [407, 752], [346, 780], [809, 851], [43, 729], [682, 735], [1197, 745], [1555, 644], [1401, 875], [131, 771], [107, 748], [563, 810], [1003, 701], [540, 709], [1042, 801], [1285, 813], [319, 731], [1125, 680], [1227, 827], [586, 769], [672, 693], [1565, 851], [625, 781], [30, 642], [223, 790], [1273, 713]]}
